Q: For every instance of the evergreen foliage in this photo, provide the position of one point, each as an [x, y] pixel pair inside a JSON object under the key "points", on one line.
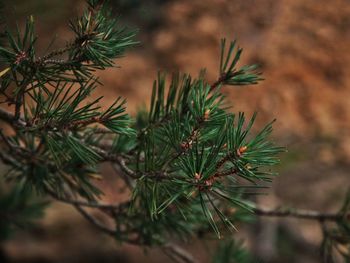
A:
{"points": [[189, 162]]}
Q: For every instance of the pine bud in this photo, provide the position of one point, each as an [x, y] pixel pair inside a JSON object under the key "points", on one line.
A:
{"points": [[209, 182], [20, 57], [206, 114], [242, 150], [197, 176]]}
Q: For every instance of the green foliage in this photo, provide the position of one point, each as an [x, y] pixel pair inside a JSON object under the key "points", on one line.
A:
{"points": [[99, 37], [53, 144], [229, 74], [189, 157], [18, 210], [197, 151]]}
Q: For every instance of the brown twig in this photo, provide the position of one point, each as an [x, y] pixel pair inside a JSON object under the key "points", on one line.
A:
{"points": [[178, 254], [174, 251], [127, 179], [10, 119], [86, 203], [94, 221], [297, 213], [218, 82]]}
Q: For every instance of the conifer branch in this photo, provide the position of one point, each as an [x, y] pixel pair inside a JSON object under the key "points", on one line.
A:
{"points": [[94, 221], [10, 119], [182, 159], [298, 213], [220, 81], [178, 254], [89, 204]]}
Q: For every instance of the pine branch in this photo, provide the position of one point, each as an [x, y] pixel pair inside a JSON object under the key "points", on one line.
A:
{"points": [[183, 160], [178, 254], [86, 203], [11, 119], [220, 81], [298, 213], [174, 251], [94, 221]]}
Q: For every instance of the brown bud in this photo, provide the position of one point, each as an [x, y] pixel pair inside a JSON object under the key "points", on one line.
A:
{"points": [[20, 57], [95, 176], [206, 114], [232, 210], [209, 182], [194, 194], [242, 150], [248, 167], [184, 145], [197, 176]]}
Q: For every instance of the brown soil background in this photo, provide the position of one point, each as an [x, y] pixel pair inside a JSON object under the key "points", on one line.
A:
{"points": [[302, 47]]}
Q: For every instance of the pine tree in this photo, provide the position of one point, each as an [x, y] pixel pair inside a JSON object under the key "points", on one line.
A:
{"points": [[191, 165]]}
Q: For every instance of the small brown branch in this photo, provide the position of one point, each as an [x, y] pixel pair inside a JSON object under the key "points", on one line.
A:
{"points": [[102, 131], [174, 251], [94, 221], [18, 122], [178, 254], [83, 123], [223, 161], [230, 171], [127, 179], [122, 164], [57, 52], [10, 119], [218, 82], [86, 204], [8, 99], [187, 144], [298, 213]]}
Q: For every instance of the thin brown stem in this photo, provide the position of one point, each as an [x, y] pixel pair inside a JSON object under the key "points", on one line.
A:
{"points": [[86, 203], [129, 182], [178, 254], [10, 118], [174, 251], [218, 82], [94, 221], [297, 213], [223, 161]]}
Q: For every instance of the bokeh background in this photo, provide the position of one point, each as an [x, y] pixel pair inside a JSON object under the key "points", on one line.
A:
{"points": [[303, 49]]}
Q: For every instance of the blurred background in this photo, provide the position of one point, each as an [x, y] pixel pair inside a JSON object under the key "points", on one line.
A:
{"points": [[302, 48]]}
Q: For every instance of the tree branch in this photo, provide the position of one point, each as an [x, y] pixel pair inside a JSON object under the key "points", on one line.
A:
{"points": [[218, 82], [10, 118], [94, 221], [86, 204], [174, 251], [297, 213], [178, 254]]}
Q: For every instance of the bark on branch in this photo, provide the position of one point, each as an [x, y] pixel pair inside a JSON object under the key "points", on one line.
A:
{"points": [[298, 213]]}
